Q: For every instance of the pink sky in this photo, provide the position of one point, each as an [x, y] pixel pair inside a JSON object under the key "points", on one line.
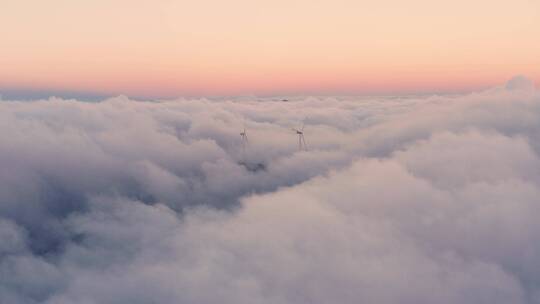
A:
{"points": [[166, 48]]}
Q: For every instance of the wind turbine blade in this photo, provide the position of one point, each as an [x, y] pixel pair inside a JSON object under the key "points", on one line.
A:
{"points": [[303, 125]]}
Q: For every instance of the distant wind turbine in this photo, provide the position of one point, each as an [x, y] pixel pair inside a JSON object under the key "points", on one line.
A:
{"points": [[245, 141], [301, 140]]}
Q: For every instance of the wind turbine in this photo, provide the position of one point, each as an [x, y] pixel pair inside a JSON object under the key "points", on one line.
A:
{"points": [[301, 140], [245, 142], [250, 166]]}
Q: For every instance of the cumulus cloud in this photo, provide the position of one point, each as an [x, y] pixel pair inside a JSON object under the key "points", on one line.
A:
{"points": [[398, 200], [521, 83]]}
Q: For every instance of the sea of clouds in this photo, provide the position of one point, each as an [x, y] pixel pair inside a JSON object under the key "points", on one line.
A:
{"points": [[430, 199]]}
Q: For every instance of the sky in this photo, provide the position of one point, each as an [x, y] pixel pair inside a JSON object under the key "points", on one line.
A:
{"points": [[168, 48]]}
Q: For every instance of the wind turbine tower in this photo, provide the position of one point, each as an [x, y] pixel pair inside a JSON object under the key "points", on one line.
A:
{"points": [[245, 142], [301, 140]]}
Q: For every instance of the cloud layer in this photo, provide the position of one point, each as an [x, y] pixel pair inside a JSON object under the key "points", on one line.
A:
{"points": [[398, 200]]}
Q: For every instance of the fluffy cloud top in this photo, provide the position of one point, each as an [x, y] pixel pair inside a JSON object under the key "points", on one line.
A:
{"points": [[398, 200]]}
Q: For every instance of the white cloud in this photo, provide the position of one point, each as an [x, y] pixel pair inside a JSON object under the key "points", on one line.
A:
{"points": [[399, 200]]}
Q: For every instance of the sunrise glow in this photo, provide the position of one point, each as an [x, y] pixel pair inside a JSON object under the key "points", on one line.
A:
{"points": [[171, 48]]}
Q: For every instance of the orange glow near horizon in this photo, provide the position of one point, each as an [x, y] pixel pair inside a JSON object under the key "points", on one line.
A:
{"points": [[172, 48]]}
